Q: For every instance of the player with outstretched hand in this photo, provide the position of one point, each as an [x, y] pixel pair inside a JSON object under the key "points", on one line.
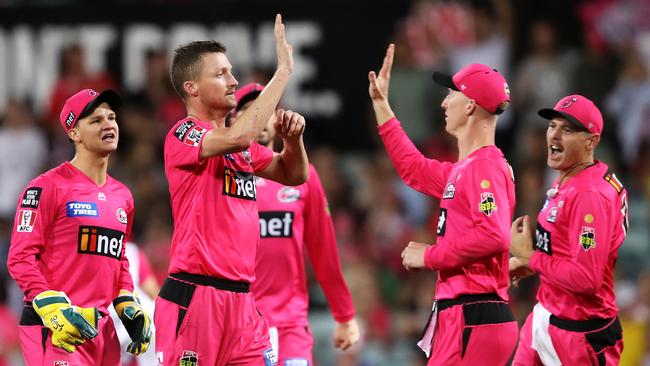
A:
{"points": [[205, 312], [471, 323], [293, 219], [577, 235], [67, 247]]}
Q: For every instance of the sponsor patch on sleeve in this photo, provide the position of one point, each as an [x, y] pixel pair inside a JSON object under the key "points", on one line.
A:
{"points": [[193, 136], [183, 129], [26, 220], [613, 180], [587, 238], [450, 191], [543, 240], [488, 204], [442, 222], [270, 358], [31, 197]]}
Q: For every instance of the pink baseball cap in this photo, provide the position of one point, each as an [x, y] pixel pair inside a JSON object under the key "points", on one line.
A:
{"points": [[479, 82], [579, 111], [247, 93], [83, 103]]}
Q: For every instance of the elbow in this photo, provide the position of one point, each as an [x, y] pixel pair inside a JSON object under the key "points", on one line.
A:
{"points": [[242, 142], [298, 178]]}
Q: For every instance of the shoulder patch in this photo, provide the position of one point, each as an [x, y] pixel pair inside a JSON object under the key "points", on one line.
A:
{"points": [[31, 197], [182, 130], [613, 180]]}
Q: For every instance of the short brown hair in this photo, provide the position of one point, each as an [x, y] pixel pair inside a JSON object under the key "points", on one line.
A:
{"points": [[186, 64]]}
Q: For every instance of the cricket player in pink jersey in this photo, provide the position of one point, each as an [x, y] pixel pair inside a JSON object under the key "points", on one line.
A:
{"points": [[471, 323], [292, 219], [205, 313], [67, 248], [578, 232]]}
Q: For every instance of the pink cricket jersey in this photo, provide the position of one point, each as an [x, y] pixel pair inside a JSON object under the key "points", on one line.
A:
{"points": [[577, 238], [477, 203], [216, 229], [69, 235], [292, 218]]}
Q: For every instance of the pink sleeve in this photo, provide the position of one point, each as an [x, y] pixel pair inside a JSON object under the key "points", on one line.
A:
{"points": [[323, 251], [422, 174], [262, 156], [125, 281], [34, 218], [183, 145], [145, 266], [489, 209], [589, 239]]}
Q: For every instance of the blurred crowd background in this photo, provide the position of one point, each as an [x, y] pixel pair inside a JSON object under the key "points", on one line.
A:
{"points": [[546, 50]]}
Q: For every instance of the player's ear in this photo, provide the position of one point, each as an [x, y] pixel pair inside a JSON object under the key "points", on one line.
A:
{"points": [[73, 134], [191, 88], [592, 142], [470, 107]]}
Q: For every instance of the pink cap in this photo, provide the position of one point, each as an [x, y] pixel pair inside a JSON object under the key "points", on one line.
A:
{"points": [[84, 103], [579, 111], [479, 82], [247, 93]]}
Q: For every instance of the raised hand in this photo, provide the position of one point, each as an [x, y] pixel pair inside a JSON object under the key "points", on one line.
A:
{"points": [[283, 48], [378, 88]]}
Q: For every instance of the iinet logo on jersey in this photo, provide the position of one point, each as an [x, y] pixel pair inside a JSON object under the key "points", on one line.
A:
{"points": [[100, 241], [239, 184], [276, 224]]}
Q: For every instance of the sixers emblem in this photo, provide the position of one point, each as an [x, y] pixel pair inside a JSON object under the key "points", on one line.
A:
{"points": [[487, 205], [450, 191], [91, 92], [552, 215], [568, 102], [288, 194], [121, 215], [247, 156], [60, 363], [189, 358], [587, 238]]}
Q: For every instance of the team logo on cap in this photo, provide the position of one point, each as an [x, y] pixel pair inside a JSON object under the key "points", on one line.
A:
{"points": [[506, 89], [92, 93], [189, 358], [568, 102]]}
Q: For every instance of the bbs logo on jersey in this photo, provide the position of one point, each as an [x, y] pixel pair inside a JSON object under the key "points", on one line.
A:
{"points": [[487, 205], [26, 220], [288, 194], [121, 215], [31, 197], [276, 224], [100, 241], [189, 358], [587, 238], [543, 240], [239, 184], [79, 209], [450, 191]]}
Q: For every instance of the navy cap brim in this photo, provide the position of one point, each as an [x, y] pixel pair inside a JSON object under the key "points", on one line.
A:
{"points": [[107, 96], [444, 80], [549, 114]]}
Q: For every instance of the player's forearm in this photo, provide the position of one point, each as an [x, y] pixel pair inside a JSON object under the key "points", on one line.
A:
{"points": [[294, 162], [27, 274], [255, 117], [383, 112], [567, 274], [422, 174], [479, 243]]}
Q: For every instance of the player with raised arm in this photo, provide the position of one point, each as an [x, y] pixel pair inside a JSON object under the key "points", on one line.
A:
{"points": [[577, 235], [67, 248], [471, 323], [293, 219], [205, 313]]}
